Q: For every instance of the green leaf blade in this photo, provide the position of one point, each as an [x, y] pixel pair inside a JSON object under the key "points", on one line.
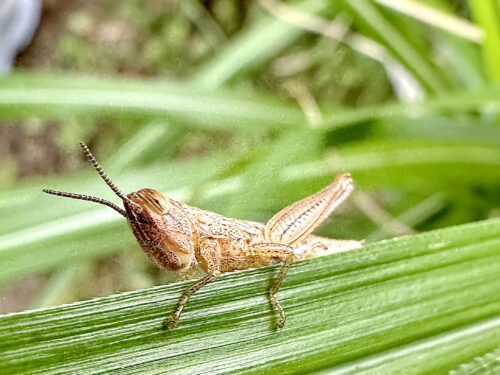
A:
{"points": [[367, 309]]}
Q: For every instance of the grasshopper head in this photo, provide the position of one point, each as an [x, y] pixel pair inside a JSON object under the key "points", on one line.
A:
{"points": [[162, 228]]}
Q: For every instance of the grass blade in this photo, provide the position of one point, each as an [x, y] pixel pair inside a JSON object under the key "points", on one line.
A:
{"points": [[397, 43], [48, 96], [487, 15], [262, 40], [371, 308]]}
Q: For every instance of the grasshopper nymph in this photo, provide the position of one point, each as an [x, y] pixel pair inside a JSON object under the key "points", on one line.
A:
{"points": [[178, 237]]}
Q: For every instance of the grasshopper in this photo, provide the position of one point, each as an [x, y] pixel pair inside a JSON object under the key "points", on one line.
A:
{"points": [[178, 237]]}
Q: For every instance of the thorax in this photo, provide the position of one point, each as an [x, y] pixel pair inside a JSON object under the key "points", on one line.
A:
{"points": [[212, 225]]}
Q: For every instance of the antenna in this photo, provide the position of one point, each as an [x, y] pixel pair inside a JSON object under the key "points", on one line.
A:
{"points": [[86, 198], [90, 198], [99, 170]]}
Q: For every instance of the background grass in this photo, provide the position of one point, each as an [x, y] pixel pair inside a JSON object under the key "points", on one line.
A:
{"points": [[242, 108]]}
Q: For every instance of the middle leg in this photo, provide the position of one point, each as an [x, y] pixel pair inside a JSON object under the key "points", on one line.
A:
{"points": [[286, 255]]}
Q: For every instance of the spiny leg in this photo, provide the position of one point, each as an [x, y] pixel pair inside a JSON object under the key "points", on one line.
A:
{"points": [[284, 252], [274, 289], [172, 321], [209, 253]]}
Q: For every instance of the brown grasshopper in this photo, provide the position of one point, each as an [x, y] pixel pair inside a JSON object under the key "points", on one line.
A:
{"points": [[178, 237]]}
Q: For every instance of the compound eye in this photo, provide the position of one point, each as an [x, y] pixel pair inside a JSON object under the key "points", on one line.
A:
{"points": [[164, 205], [158, 202], [152, 200]]}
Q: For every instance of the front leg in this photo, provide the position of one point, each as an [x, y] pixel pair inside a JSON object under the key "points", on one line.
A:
{"points": [[209, 253]]}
